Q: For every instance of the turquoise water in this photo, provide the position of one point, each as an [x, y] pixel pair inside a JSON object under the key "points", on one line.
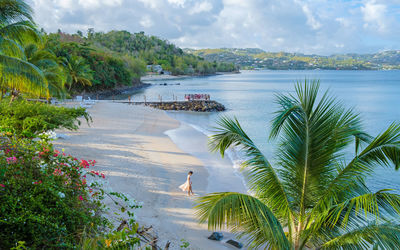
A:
{"points": [[250, 97]]}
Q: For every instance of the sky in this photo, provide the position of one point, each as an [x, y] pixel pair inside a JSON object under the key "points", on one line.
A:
{"points": [[306, 26]]}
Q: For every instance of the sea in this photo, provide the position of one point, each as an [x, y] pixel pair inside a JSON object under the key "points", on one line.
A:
{"points": [[250, 97]]}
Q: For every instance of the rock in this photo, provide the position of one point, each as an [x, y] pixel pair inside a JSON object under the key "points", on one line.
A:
{"points": [[216, 236], [197, 106], [235, 243]]}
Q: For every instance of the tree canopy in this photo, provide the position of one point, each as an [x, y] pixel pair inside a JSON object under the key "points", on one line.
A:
{"points": [[312, 197]]}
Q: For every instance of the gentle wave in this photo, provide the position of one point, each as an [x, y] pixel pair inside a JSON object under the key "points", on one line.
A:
{"points": [[233, 153]]}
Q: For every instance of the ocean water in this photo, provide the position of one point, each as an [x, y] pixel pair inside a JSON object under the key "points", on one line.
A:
{"points": [[250, 97]]}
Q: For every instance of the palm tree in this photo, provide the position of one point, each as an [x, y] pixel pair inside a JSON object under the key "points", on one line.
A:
{"points": [[49, 64], [310, 197], [16, 28], [78, 71]]}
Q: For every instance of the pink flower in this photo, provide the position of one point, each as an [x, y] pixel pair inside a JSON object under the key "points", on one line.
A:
{"points": [[12, 160], [57, 171], [80, 197], [2, 185], [84, 164]]}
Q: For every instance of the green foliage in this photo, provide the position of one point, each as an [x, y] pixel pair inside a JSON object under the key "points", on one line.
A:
{"points": [[51, 200], [320, 200], [53, 71], [77, 70], [17, 28], [184, 244], [155, 51], [41, 196], [41, 65], [20, 245], [96, 67], [29, 119], [124, 239]]}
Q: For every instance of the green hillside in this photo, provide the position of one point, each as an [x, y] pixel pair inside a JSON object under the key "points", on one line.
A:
{"points": [[256, 58], [155, 51], [117, 58]]}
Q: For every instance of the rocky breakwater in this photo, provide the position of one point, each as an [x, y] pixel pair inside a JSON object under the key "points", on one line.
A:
{"points": [[197, 106]]}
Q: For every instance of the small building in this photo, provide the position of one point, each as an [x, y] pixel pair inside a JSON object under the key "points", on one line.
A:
{"points": [[155, 68]]}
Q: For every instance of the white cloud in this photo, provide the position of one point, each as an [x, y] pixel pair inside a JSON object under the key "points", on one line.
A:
{"points": [[201, 7], [374, 15], [153, 4], [343, 21], [310, 26], [311, 20], [178, 3], [146, 22]]}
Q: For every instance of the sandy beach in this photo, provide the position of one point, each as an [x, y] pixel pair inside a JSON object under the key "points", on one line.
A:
{"points": [[131, 147], [156, 77]]}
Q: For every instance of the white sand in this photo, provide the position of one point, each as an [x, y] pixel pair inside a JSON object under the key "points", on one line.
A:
{"points": [[155, 77], [130, 147]]}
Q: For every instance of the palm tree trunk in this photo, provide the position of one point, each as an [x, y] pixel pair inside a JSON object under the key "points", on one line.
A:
{"points": [[12, 98], [14, 94]]}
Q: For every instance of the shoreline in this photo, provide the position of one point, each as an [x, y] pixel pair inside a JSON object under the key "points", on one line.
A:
{"points": [[222, 174], [109, 93], [133, 147], [172, 77]]}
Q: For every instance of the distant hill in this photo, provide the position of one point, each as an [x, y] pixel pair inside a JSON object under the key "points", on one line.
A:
{"points": [[253, 58], [156, 51]]}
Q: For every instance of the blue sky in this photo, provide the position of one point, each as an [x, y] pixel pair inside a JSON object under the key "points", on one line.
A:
{"points": [[308, 26]]}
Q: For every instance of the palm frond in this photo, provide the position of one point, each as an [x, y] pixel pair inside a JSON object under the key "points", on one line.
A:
{"points": [[361, 208], [15, 11], [313, 192], [261, 176], [372, 236], [245, 215], [21, 32], [23, 76], [11, 48], [382, 151], [312, 137]]}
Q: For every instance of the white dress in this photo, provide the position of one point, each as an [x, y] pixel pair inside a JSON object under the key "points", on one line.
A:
{"points": [[185, 186]]}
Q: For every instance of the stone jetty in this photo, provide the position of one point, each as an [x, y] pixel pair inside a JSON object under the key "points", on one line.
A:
{"points": [[197, 106]]}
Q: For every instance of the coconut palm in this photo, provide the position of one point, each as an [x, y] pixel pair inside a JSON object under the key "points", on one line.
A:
{"points": [[16, 28], [78, 71], [311, 197], [49, 64]]}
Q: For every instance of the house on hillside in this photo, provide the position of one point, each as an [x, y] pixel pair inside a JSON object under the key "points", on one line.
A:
{"points": [[155, 68]]}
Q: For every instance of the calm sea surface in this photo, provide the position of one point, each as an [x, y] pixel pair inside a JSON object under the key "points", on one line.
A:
{"points": [[250, 97]]}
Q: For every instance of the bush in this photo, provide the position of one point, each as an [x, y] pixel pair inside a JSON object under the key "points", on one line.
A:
{"points": [[28, 119], [49, 199]]}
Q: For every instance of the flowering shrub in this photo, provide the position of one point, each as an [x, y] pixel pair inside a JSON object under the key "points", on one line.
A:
{"points": [[28, 119], [49, 199]]}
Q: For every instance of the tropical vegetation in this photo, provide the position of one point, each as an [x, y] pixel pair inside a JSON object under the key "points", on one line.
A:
{"points": [[29, 119], [16, 29], [310, 195], [49, 199], [155, 51], [40, 65]]}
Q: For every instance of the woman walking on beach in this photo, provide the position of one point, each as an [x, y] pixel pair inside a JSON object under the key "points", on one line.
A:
{"points": [[187, 186]]}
